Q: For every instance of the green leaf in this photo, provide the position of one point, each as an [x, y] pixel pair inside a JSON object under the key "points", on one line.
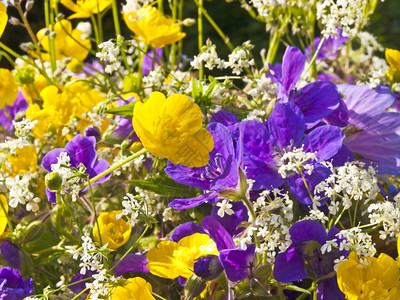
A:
{"points": [[126, 110], [164, 186]]}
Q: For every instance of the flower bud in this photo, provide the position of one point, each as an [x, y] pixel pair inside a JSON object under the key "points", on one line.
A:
{"points": [[208, 267], [194, 286], [25, 76], [53, 181]]}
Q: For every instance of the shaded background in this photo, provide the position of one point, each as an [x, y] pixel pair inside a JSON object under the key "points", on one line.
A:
{"points": [[233, 20]]}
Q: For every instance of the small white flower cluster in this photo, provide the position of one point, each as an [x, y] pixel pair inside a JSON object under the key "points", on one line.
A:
{"points": [[170, 214], [134, 5], [263, 89], [101, 285], [316, 215], [155, 79], [70, 182], [23, 128], [327, 247], [388, 215], [20, 193], [208, 55], [356, 240], [296, 161], [109, 54], [343, 14], [134, 206], [89, 254], [10, 146], [136, 163], [177, 82], [274, 212], [257, 114], [240, 58], [264, 7], [352, 181]]}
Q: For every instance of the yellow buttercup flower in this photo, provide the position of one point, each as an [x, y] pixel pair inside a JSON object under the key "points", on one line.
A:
{"points": [[136, 289], [376, 278], [170, 259], [8, 88], [3, 217], [113, 232], [152, 28], [393, 58], [24, 160], [3, 17], [172, 128], [65, 45], [85, 8]]}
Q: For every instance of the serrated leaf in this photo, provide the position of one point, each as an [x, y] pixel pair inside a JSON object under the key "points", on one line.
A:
{"points": [[164, 186], [126, 110]]}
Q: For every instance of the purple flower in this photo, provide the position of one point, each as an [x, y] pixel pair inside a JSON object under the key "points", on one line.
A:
{"points": [[81, 150], [132, 263], [316, 100], [264, 146], [125, 127], [12, 286], [220, 174], [19, 105], [373, 134], [329, 48], [79, 287], [304, 258], [10, 253], [92, 68], [150, 61]]}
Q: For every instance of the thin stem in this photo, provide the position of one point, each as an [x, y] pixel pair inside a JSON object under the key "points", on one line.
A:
{"points": [[95, 213], [215, 26], [116, 18], [130, 248], [200, 33], [113, 168], [250, 208]]}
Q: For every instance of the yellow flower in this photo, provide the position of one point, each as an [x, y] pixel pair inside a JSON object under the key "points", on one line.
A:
{"points": [[85, 8], [393, 58], [65, 45], [3, 17], [375, 279], [3, 217], [113, 232], [172, 128], [152, 28], [136, 289], [8, 88], [170, 259], [24, 160]]}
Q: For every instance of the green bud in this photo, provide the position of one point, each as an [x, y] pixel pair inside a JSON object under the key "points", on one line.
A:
{"points": [[132, 83], [53, 181], [25, 76], [194, 286]]}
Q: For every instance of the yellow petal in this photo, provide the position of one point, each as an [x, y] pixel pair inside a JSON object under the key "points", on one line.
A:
{"points": [[136, 289], [3, 217], [3, 17], [383, 268], [8, 88], [349, 277], [393, 58]]}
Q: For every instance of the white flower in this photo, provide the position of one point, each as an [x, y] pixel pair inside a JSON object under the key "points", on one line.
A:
{"points": [[225, 208]]}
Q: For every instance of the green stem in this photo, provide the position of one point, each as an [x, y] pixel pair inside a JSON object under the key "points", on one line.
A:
{"points": [[215, 26], [312, 62], [95, 29], [100, 26], [200, 33], [173, 46], [130, 248], [274, 41], [95, 213], [250, 208], [113, 168], [116, 17]]}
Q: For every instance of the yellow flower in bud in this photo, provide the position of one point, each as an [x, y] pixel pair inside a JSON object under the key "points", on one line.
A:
{"points": [[8, 88], [393, 58], [3, 17], [170, 259], [172, 128], [65, 45], [113, 232], [152, 28], [376, 278], [136, 289], [85, 8]]}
